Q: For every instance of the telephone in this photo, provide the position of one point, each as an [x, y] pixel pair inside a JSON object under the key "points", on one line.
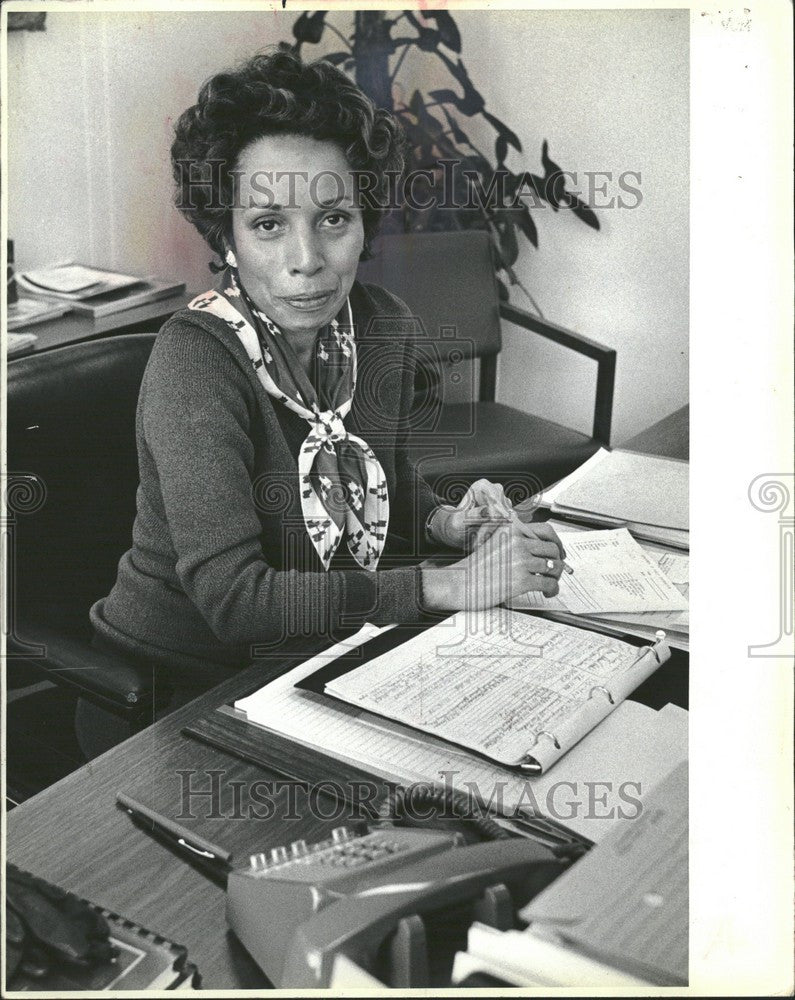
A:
{"points": [[375, 898]]}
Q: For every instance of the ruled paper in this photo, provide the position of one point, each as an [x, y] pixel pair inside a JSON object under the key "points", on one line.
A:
{"points": [[493, 683], [629, 749]]}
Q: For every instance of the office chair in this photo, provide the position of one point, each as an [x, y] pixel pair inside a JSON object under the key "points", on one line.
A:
{"points": [[447, 280], [70, 492]]}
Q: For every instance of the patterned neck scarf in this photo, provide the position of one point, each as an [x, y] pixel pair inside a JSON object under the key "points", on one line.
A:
{"points": [[343, 486]]}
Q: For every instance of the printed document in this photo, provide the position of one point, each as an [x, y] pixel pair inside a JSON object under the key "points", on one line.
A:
{"points": [[612, 574]]}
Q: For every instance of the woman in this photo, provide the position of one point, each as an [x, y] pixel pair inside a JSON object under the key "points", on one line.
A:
{"points": [[272, 451]]}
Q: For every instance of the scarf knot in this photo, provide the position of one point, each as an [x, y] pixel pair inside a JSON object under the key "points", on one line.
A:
{"points": [[328, 427]]}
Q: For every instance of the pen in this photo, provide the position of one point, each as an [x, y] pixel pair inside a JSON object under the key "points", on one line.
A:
{"points": [[513, 517], [210, 855]]}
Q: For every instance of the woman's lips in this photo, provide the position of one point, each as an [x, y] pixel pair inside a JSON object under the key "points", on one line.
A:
{"points": [[309, 302]]}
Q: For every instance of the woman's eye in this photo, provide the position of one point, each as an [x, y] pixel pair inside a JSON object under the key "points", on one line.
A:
{"points": [[336, 219], [267, 225]]}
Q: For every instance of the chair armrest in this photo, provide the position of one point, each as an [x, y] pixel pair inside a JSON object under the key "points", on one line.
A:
{"points": [[112, 682], [605, 358]]}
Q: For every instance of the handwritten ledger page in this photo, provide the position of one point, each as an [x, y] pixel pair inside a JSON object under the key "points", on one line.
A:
{"points": [[509, 686], [633, 744]]}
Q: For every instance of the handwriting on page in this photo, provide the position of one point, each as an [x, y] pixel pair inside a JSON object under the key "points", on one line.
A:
{"points": [[494, 693], [612, 573]]}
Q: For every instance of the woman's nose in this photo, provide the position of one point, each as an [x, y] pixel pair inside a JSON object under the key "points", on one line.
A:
{"points": [[306, 254]]}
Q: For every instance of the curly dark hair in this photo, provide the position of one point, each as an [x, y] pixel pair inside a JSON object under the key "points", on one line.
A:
{"points": [[271, 94]]}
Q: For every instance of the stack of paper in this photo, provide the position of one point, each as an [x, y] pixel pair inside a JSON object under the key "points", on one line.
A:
{"points": [[645, 493], [26, 312], [635, 588], [617, 918], [521, 959], [626, 901], [93, 291], [625, 753], [73, 282]]}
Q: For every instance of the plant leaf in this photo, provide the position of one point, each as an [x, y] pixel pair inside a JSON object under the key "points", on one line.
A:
{"points": [[458, 134], [553, 182], [428, 39], [444, 95], [336, 58], [509, 245], [584, 213], [309, 27], [447, 28], [511, 137], [457, 69], [524, 220], [501, 149]]}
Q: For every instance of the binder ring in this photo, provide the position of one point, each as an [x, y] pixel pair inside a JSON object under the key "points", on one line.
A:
{"points": [[601, 687], [549, 736], [649, 649]]}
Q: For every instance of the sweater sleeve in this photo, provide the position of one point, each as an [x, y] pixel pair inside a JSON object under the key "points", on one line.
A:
{"points": [[197, 410]]}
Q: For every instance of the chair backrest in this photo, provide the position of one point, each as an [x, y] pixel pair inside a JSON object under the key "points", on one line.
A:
{"points": [[448, 281], [71, 424]]}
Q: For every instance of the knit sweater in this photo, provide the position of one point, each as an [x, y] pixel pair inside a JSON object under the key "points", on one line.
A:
{"points": [[221, 561]]}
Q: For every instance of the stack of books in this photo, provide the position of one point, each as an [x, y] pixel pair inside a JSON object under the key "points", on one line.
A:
{"points": [[92, 291], [27, 311]]}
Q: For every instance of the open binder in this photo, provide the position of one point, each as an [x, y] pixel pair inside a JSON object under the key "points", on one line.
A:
{"points": [[314, 739], [522, 708]]}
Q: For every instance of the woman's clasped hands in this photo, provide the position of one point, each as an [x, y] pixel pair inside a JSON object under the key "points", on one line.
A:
{"points": [[507, 556]]}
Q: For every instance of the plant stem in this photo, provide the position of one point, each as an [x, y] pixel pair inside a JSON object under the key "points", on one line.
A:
{"points": [[339, 34], [406, 47], [533, 302]]}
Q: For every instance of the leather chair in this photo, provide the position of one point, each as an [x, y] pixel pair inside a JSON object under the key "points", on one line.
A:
{"points": [[447, 280], [70, 491]]}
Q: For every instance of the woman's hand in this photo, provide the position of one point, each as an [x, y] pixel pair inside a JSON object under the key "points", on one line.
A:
{"points": [[507, 564], [483, 509]]}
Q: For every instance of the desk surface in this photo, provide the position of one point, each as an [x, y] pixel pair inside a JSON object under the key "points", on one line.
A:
{"points": [[73, 834], [75, 327]]}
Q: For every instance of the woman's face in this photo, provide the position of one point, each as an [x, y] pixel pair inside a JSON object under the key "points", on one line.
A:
{"points": [[296, 230]]}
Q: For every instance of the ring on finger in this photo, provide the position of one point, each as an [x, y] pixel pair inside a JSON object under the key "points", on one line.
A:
{"points": [[550, 564]]}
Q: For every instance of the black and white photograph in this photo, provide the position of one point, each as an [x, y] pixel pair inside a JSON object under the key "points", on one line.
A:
{"points": [[355, 356]]}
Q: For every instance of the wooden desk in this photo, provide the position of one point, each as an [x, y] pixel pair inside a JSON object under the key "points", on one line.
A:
{"points": [[75, 836]]}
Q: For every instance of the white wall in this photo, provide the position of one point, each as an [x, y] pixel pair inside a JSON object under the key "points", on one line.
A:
{"points": [[93, 98], [609, 90]]}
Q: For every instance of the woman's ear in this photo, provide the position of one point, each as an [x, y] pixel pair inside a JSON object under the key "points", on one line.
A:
{"points": [[230, 258]]}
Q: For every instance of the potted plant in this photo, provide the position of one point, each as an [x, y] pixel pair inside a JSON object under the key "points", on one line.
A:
{"points": [[466, 187]]}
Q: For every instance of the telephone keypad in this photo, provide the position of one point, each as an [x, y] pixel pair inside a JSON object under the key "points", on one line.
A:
{"points": [[341, 851]]}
